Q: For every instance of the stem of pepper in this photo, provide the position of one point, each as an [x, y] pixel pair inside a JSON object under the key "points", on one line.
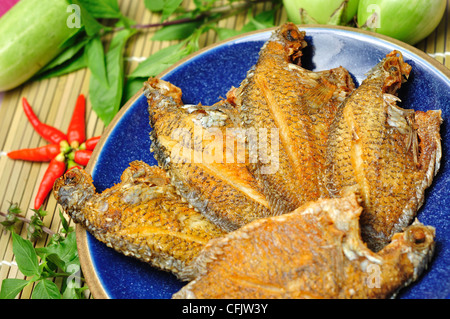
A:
{"points": [[90, 143]]}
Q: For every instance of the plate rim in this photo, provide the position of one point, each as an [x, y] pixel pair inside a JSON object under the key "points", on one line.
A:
{"points": [[89, 272]]}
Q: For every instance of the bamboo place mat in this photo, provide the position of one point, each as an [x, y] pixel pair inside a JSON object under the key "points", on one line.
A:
{"points": [[54, 100]]}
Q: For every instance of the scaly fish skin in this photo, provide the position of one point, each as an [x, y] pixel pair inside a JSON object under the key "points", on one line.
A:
{"points": [[373, 148], [190, 143], [314, 252], [142, 216], [278, 95]]}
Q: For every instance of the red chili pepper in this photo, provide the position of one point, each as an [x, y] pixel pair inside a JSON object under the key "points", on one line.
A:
{"points": [[82, 157], [55, 169], [49, 133], [76, 131], [90, 143], [39, 154]]}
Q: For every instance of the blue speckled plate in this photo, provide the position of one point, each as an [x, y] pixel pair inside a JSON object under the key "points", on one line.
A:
{"points": [[205, 77]]}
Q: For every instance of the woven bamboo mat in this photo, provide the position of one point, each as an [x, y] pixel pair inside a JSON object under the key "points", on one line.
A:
{"points": [[54, 100]]}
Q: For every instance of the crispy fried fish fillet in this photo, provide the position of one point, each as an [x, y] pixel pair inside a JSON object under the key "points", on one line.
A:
{"points": [[314, 252], [388, 154], [191, 142], [142, 216], [298, 105]]}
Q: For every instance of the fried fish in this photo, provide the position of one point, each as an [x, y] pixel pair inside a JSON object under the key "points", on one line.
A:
{"points": [[298, 106], [142, 216], [314, 252], [192, 143], [345, 168], [388, 154]]}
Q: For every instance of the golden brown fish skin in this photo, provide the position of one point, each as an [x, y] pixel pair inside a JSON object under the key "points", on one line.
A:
{"points": [[373, 148], [314, 252], [142, 216], [224, 192], [281, 96]]}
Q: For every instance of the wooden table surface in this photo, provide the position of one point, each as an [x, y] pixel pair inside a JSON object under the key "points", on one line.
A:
{"points": [[54, 100]]}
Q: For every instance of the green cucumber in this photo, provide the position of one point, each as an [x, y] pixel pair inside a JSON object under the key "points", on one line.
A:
{"points": [[32, 33]]}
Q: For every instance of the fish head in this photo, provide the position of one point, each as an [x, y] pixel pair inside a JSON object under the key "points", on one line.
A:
{"points": [[392, 71], [287, 41], [73, 189]]}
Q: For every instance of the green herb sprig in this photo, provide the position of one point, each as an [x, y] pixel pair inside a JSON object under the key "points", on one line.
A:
{"points": [[109, 87], [59, 259]]}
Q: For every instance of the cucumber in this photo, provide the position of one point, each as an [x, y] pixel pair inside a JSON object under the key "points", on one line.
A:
{"points": [[31, 35]]}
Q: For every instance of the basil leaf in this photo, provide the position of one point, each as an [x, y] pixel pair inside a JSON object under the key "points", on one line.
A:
{"points": [[95, 59], [67, 229], [176, 31], [11, 287], [261, 21], [225, 33], [108, 9], [26, 256], [154, 5], [65, 56], [106, 98], [91, 25], [132, 86], [159, 61], [169, 7], [77, 62], [45, 289], [61, 254]]}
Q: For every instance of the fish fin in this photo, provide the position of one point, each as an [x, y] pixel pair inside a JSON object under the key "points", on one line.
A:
{"points": [[321, 93], [404, 121]]}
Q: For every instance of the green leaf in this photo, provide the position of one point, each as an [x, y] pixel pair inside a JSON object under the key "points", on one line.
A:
{"points": [[71, 292], [61, 254], [132, 86], [106, 99], [25, 255], [91, 25], [65, 56], [75, 63], [66, 228], [108, 9], [170, 6], [95, 59], [71, 287], [176, 31], [154, 5], [159, 61], [225, 33], [11, 287], [261, 21], [45, 289]]}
